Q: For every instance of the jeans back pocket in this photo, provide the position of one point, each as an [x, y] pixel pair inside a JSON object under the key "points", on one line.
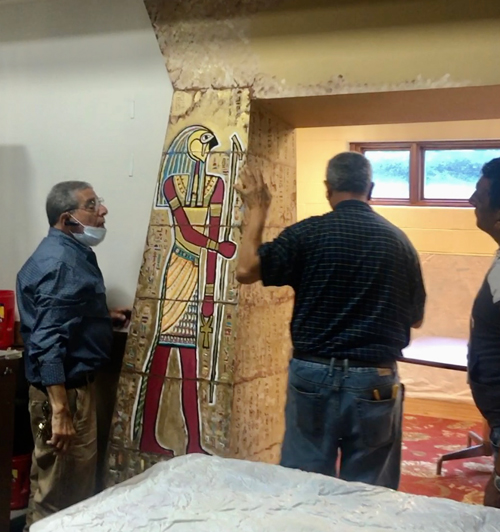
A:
{"points": [[307, 409], [377, 421]]}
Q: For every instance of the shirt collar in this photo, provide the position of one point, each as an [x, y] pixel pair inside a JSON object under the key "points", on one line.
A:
{"points": [[353, 204], [69, 240]]}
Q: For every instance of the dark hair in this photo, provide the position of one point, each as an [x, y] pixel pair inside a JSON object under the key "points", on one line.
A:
{"points": [[349, 172], [491, 171], [62, 199]]}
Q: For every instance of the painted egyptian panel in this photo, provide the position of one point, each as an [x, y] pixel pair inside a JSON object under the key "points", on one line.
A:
{"points": [[178, 366], [206, 361]]}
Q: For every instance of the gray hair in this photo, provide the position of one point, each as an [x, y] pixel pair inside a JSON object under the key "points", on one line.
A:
{"points": [[62, 198], [349, 172]]}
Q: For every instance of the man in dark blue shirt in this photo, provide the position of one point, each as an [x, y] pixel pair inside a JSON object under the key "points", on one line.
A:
{"points": [[67, 332], [358, 291], [484, 344]]}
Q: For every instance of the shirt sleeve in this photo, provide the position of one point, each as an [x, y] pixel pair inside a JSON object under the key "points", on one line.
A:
{"points": [[417, 288], [58, 306], [280, 262]]}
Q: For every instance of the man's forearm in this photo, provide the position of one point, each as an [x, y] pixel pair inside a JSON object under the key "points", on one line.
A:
{"points": [[248, 268], [58, 398], [63, 430]]}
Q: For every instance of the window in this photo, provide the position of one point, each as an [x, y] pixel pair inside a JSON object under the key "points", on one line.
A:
{"points": [[440, 173]]}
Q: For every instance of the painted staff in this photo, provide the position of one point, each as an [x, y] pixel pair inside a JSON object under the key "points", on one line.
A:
{"points": [[235, 158]]}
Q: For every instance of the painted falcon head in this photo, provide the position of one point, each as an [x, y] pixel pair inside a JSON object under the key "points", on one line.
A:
{"points": [[201, 142]]}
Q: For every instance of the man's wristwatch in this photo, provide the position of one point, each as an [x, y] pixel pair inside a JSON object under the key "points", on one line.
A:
{"points": [[496, 481]]}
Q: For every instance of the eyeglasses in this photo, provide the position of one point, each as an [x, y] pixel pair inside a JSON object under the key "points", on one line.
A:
{"points": [[93, 204]]}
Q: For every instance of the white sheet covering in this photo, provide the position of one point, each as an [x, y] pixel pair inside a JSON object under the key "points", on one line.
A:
{"points": [[206, 494]]}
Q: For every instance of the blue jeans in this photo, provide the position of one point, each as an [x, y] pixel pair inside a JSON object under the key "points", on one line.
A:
{"points": [[355, 410]]}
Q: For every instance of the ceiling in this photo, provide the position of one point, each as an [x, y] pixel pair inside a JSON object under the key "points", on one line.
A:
{"points": [[395, 107]]}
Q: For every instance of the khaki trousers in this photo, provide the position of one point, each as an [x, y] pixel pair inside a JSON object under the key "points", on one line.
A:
{"points": [[61, 480]]}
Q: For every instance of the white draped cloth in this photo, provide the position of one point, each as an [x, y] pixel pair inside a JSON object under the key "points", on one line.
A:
{"points": [[198, 493]]}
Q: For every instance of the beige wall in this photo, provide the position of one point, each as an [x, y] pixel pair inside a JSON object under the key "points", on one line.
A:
{"points": [[373, 42], [431, 229], [296, 47]]}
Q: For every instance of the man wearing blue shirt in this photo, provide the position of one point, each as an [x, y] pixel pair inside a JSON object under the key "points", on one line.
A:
{"points": [[67, 332]]}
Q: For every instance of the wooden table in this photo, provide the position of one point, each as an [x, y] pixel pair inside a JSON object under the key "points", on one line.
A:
{"points": [[448, 353]]}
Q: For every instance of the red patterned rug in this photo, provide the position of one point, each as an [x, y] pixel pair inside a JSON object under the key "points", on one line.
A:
{"points": [[425, 439]]}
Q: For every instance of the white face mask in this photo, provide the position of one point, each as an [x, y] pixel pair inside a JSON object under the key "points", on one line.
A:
{"points": [[91, 236]]}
